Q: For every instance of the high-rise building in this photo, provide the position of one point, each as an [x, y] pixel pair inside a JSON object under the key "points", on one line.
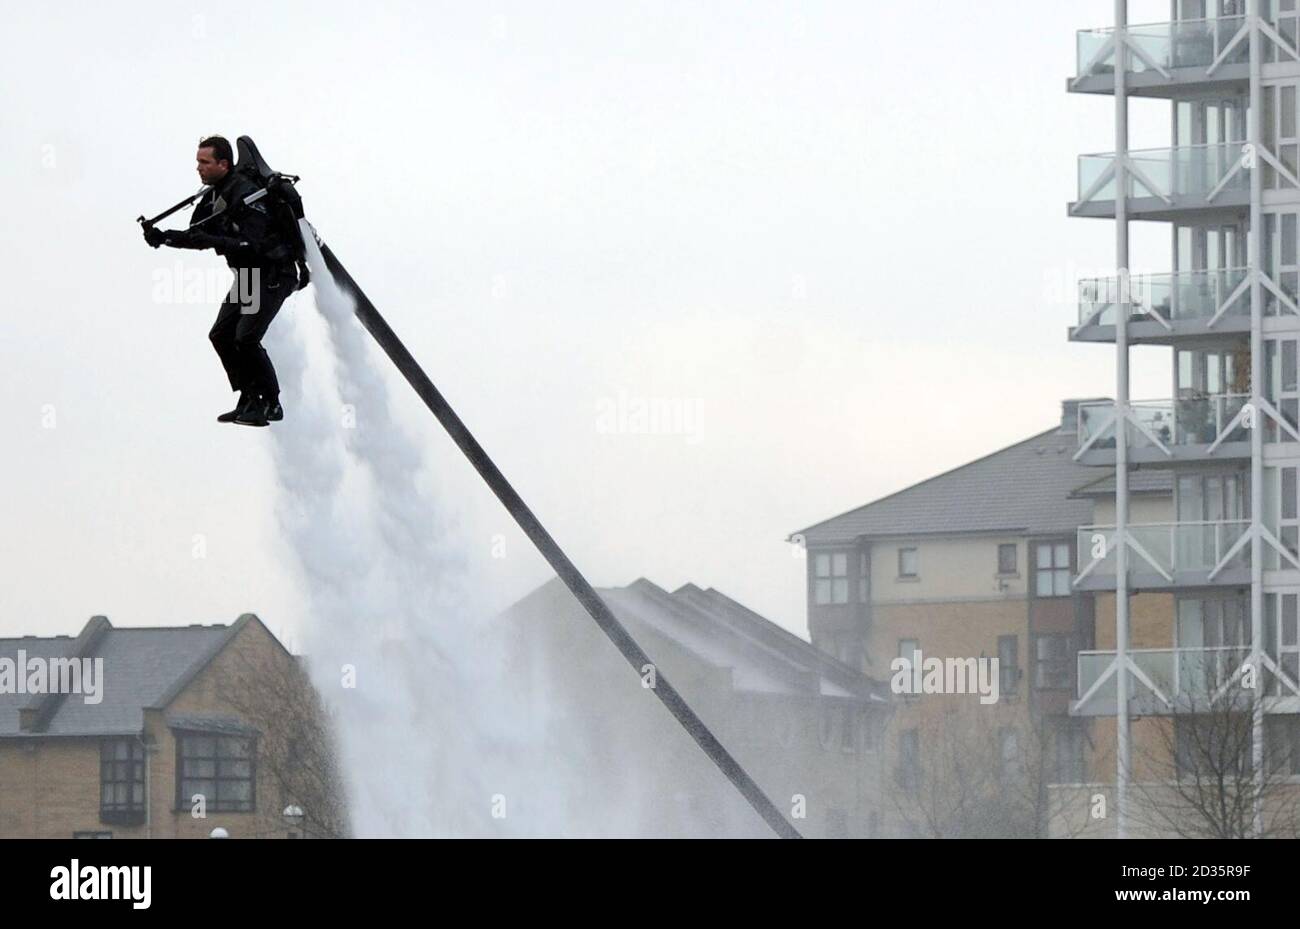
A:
{"points": [[1228, 436]]}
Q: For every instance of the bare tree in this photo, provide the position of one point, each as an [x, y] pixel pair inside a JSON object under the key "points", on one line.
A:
{"points": [[297, 746], [973, 778], [1199, 775]]}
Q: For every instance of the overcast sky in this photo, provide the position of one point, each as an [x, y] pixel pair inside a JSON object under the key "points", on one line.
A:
{"points": [[831, 239]]}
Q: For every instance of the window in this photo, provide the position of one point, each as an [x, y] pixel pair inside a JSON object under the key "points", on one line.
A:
{"points": [[1282, 744], [831, 577], [1008, 664], [1052, 669], [1281, 621], [1071, 766], [1007, 558], [218, 767], [908, 563], [908, 773], [121, 781], [1052, 569]]}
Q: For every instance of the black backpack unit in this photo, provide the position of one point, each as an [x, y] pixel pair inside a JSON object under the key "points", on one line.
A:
{"points": [[283, 204]]}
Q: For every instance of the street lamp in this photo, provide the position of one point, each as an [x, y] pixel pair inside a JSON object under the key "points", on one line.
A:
{"points": [[294, 816]]}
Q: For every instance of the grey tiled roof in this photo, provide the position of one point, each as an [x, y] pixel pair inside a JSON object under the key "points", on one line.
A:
{"points": [[720, 633], [1023, 489], [1142, 481], [797, 651], [141, 668]]}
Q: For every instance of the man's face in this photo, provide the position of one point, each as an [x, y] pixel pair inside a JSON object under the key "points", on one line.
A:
{"points": [[210, 170]]}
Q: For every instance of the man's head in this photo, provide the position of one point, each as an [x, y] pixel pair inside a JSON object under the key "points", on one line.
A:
{"points": [[215, 159]]}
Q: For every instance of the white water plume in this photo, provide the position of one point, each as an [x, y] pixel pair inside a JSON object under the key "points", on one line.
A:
{"points": [[429, 733]]}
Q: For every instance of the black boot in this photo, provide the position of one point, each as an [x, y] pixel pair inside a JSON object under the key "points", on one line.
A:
{"points": [[254, 414], [274, 412], [245, 397]]}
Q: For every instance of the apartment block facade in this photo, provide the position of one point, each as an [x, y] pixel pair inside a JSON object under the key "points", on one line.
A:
{"points": [[1227, 555], [978, 562]]}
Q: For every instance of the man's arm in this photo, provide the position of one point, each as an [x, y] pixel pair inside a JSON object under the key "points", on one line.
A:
{"points": [[193, 239]]}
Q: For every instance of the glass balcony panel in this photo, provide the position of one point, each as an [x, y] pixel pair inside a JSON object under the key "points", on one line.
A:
{"points": [[1091, 666], [1186, 295], [1158, 665], [1095, 419], [1191, 171], [1193, 674], [1187, 44], [1091, 168], [1089, 43], [1193, 420], [1173, 548]]}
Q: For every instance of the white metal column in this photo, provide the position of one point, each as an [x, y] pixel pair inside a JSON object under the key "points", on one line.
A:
{"points": [[1121, 420], [1255, 138]]}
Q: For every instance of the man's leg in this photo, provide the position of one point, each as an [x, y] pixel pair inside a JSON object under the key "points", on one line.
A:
{"points": [[257, 372], [222, 337]]}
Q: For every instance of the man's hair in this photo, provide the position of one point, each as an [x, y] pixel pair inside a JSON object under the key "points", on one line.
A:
{"points": [[220, 146]]}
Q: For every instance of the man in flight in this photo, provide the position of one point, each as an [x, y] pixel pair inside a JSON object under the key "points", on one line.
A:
{"points": [[265, 275]]}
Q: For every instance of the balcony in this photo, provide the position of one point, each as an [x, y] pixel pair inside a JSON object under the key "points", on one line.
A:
{"points": [[1163, 306], [1186, 680], [1165, 556], [1165, 58], [1166, 680], [1205, 428], [1168, 183]]}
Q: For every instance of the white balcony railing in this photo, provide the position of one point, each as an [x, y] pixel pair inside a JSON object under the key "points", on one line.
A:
{"points": [[1195, 674], [1166, 424], [1185, 295], [1194, 43], [1191, 171], [1168, 549]]}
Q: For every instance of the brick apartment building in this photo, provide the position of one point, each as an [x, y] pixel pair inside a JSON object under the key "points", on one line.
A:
{"points": [[976, 562], [221, 712]]}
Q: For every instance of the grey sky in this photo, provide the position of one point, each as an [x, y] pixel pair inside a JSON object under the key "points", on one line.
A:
{"points": [[836, 232]]}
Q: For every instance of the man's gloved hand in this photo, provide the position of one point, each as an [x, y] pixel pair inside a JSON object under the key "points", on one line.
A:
{"points": [[154, 237]]}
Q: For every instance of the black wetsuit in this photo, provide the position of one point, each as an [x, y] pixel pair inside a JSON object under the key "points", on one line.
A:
{"points": [[265, 276]]}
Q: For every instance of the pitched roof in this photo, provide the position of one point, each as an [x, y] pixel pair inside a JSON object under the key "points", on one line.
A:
{"points": [[721, 633], [1141, 481], [143, 668], [1024, 489]]}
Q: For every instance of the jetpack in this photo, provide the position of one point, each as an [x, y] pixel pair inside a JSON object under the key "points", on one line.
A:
{"points": [[286, 203]]}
